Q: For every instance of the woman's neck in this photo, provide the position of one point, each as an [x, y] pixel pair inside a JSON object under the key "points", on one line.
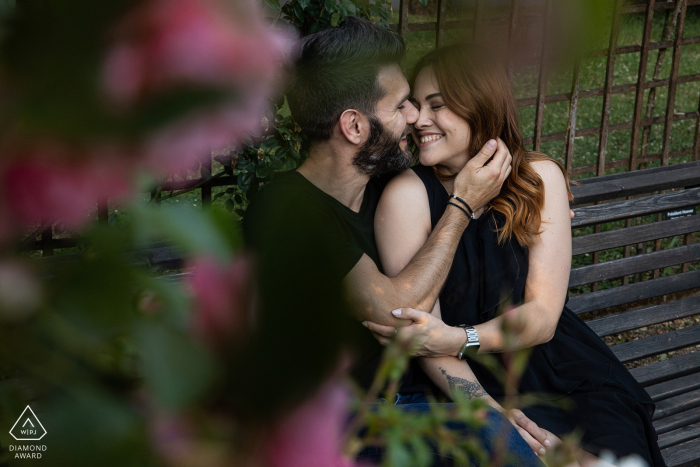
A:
{"points": [[447, 173]]}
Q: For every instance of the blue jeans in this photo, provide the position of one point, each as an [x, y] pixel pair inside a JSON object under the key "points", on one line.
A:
{"points": [[518, 452]]}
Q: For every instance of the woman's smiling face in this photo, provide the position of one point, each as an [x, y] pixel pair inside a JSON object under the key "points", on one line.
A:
{"points": [[441, 135]]}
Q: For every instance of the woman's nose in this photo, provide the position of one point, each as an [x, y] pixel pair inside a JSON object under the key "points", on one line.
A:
{"points": [[423, 120]]}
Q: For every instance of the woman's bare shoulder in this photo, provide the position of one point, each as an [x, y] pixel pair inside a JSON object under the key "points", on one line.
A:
{"points": [[549, 171], [404, 188], [404, 203]]}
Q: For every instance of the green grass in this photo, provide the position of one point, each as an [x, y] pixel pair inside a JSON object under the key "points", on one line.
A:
{"points": [[593, 76]]}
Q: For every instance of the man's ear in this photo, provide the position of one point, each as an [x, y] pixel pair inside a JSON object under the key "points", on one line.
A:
{"points": [[353, 125]]}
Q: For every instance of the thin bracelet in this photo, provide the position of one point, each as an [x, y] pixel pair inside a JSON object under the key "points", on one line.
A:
{"points": [[470, 216], [471, 211]]}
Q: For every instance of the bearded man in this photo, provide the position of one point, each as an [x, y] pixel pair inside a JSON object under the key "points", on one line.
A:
{"points": [[349, 96]]}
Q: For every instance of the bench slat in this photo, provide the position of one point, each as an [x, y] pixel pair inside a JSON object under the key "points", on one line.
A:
{"points": [[631, 293], [677, 404], [658, 344], [680, 435], [636, 319], [683, 455], [619, 210], [635, 173], [634, 264], [676, 421], [677, 386], [666, 370], [636, 234], [638, 183]]}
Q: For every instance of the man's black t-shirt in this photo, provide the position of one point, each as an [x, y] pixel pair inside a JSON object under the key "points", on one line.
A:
{"points": [[295, 221]]}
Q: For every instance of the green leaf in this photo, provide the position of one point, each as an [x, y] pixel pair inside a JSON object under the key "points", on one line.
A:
{"points": [[228, 204], [423, 2], [304, 3], [245, 180], [175, 367], [334, 19], [349, 6], [262, 171], [298, 11], [245, 165], [330, 6], [273, 4]]}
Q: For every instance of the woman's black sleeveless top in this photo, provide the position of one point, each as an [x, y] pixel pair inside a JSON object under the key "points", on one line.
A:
{"points": [[575, 369]]}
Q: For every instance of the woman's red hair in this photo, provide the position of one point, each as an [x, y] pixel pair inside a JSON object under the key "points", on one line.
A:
{"points": [[475, 87]]}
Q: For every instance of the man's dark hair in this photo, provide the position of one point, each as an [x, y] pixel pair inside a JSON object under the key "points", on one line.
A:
{"points": [[336, 70]]}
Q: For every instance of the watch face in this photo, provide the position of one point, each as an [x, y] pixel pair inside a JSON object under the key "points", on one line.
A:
{"points": [[472, 350]]}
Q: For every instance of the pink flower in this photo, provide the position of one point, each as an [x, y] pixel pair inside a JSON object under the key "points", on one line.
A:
{"points": [[222, 300], [179, 146], [167, 44], [312, 436], [44, 184], [202, 42]]}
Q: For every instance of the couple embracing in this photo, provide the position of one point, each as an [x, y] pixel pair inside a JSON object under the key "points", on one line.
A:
{"points": [[434, 251]]}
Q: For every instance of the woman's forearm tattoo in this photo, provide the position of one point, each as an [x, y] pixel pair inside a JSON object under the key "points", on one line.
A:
{"points": [[468, 388]]}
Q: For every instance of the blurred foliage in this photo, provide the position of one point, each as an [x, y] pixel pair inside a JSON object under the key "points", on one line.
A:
{"points": [[283, 147]]}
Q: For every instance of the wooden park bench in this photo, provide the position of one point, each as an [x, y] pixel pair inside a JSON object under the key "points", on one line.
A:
{"points": [[674, 383]]}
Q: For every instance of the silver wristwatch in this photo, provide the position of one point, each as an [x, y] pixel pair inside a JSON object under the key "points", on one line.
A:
{"points": [[471, 346]]}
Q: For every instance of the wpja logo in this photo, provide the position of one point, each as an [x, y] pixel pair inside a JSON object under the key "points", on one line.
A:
{"points": [[28, 428]]}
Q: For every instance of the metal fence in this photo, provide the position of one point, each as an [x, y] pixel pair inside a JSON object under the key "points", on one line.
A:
{"points": [[641, 122]]}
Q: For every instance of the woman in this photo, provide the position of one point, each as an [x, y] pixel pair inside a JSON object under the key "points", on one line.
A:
{"points": [[518, 251]]}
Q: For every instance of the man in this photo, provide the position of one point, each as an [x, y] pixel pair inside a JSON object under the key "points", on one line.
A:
{"points": [[349, 96]]}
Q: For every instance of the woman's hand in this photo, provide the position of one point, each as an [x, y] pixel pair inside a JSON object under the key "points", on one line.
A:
{"points": [[536, 437], [430, 336]]}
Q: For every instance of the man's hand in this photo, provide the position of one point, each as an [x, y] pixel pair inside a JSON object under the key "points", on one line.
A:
{"points": [[430, 336], [478, 182]]}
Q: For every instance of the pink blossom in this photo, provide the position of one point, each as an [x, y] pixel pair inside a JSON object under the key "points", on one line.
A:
{"points": [[180, 145], [222, 299], [167, 44], [312, 436], [203, 42], [44, 184]]}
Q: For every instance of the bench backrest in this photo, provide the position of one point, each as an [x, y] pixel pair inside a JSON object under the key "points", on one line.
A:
{"points": [[634, 297]]}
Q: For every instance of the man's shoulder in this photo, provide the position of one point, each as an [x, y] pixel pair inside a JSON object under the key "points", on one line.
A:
{"points": [[288, 193], [289, 203]]}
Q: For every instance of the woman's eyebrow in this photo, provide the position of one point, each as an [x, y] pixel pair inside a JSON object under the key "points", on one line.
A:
{"points": [[430, 96]]}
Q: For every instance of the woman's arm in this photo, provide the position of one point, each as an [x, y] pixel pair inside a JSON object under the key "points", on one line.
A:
{"points": [[545, 288], [548, 275], [402, 225]]}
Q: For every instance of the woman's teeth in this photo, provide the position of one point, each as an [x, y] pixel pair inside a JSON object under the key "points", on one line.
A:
{"points": [[427, 139]]}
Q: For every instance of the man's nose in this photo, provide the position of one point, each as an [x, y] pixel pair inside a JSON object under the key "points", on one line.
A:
{"points": [[412, 114]]}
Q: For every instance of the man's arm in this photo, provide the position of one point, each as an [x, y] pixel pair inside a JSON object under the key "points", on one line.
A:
{"points": [[418, 284]]}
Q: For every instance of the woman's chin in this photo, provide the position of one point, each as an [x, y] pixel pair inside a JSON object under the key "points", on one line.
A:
{"points": [[427, 160]]}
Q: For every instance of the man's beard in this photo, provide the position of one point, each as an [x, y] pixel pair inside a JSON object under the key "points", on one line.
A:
{"points": [[382, 152]]}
